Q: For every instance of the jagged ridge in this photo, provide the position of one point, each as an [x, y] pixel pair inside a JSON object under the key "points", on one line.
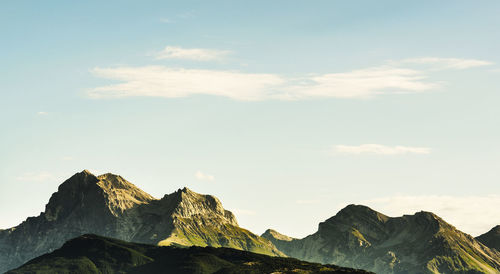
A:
{"points": [[109, 205], [360, 237]]}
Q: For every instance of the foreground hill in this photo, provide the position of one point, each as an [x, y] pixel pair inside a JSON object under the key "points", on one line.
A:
{"points": [[96, 254], [491, 238], [109, 205], [360, 237]]}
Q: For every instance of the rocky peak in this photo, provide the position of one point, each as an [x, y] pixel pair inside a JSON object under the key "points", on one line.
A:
{"points": [[354, 216], [191, 204], [273, 234], [86, 192], [360, 212], [121, 194]]}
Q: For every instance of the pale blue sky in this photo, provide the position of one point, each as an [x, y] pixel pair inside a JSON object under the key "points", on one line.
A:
{"points": [[285, 110]]}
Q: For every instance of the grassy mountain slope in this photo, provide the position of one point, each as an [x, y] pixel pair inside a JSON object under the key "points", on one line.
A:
{"points": [[95, 254], [363, 238]]}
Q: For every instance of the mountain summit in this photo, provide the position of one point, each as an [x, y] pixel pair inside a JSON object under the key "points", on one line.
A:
{"points": [[360, 237], [110, 206], [85, 193]]}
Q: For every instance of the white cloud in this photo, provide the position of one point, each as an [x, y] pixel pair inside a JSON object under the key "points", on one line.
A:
{"points": [[42, 113], [203, 176], [196, 54], [364, 83], [247, 212], [158, 81], [472, 214], [381, 149], [448, 63], [161, 81], [36, 177]]}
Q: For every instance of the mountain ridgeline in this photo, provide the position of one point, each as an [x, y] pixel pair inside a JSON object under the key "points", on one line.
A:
{"points": [[360, 237], [97, 254], [491, 238], [110, 206], [138, 232]]}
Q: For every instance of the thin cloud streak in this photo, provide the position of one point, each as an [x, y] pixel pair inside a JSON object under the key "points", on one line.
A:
{"points": [[160, 81], [447, 63], [196, 54], [380, 149], [167, 82]]}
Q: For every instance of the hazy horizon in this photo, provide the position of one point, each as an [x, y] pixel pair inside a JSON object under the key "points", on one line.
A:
{"points": [[287, 111]]}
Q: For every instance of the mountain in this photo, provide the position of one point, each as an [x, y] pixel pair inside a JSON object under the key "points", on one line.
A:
{"points": [[96, 254], [491, 238], [360, 237], [109, 205]]}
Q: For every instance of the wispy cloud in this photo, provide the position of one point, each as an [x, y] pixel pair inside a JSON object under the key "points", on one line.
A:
{"points": [[36, 177], [363, 83], [472, 214], [196, 54], [158, 81], [161, 81], [166, 20], [42, 113], [381, 149], [203, 176], [447, 63]]}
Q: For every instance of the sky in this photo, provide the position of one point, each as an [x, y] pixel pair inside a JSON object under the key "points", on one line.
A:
{"points": [[287, 111]]}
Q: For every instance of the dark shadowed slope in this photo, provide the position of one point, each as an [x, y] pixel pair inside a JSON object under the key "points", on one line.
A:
{"points": [[109, 205], [363, 238], [95, 254], [491, 238]]}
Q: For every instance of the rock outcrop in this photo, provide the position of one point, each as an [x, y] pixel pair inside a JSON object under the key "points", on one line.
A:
{"points": [[360, 237], [110, 206]]}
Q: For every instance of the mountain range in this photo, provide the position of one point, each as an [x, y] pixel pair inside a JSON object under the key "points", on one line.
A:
{"points": [[110, 206], [97, 254], [360, 237], [356, 237]]}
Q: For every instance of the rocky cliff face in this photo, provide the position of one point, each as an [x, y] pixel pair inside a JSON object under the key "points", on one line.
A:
{"points": [[363, 238], [491, 238], [108, 205]]}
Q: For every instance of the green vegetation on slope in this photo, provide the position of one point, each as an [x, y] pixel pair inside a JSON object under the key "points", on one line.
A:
{"points": [[95, 254], [360, 237]]}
